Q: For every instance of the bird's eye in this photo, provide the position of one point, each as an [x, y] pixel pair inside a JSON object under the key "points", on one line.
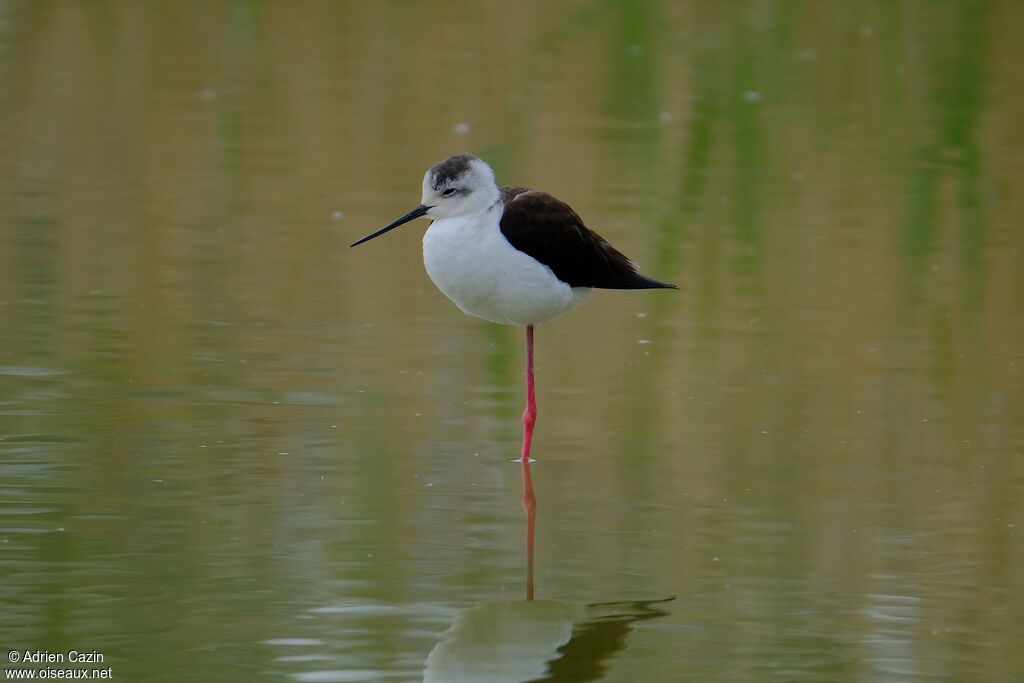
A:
{"points": [[449, 192]]}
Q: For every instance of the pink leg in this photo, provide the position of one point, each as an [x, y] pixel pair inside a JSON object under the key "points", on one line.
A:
{"points": [[530, 414]]}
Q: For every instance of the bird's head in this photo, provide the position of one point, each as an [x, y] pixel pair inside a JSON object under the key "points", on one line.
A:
{"points": [[459, 186], [462, 185]]}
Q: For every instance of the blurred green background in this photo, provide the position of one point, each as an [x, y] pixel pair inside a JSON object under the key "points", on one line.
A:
{"points": [[231, 449]]}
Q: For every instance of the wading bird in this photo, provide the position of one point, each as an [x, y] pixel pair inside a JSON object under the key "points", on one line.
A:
{"points": [[511, 255]]}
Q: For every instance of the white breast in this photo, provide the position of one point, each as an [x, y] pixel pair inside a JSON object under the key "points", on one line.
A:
{"points": [[473, 264]]}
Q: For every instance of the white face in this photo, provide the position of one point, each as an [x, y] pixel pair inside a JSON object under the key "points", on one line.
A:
{"points": [[460, 186]]}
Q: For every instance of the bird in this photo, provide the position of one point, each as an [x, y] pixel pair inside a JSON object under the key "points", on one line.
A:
{"points": [[511, 255]]}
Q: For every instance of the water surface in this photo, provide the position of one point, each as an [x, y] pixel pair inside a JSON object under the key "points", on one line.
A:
{"points": [[233, 449]]}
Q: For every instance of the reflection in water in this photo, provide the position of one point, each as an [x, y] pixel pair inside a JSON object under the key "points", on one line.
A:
{"points": [[540, 640], [530, 508], [534, 640], [598, 637]]}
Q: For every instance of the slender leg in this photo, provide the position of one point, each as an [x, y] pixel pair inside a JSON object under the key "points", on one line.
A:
{"points": [[529, 499], [530, 508], [530, 414]]}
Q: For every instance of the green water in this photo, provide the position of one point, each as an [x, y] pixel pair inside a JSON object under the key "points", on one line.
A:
{"points": [[232, 449]]}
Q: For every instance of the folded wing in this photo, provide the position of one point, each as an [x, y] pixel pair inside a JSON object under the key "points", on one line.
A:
{"points": [[549, 230]]}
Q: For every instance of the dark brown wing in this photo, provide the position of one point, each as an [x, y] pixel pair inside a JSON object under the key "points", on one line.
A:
{"points": [[549, 230]]}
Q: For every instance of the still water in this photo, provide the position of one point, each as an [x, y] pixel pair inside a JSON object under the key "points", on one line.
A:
{"points": [[232, 449]]}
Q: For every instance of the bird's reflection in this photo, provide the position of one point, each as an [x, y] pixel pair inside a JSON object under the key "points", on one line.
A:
{"points": [[530, 641]]}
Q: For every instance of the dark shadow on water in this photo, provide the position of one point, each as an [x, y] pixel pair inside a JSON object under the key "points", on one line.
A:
{"points": [[535, 641]]}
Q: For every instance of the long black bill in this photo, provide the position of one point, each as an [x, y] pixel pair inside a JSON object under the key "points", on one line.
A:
{"points": [[415, 213]]}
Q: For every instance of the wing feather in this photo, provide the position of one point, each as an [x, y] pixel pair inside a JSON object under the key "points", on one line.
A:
{"points": [[547, 229]]}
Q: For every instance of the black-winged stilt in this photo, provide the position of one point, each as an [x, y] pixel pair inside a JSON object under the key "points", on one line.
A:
{"points": [[512, 255]]}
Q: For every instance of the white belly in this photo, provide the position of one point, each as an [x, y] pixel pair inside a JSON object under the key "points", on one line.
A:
{"points": [[473, 264]]}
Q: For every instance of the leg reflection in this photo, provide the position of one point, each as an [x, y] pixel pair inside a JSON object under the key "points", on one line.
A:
{"points": [[530, 508]]}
